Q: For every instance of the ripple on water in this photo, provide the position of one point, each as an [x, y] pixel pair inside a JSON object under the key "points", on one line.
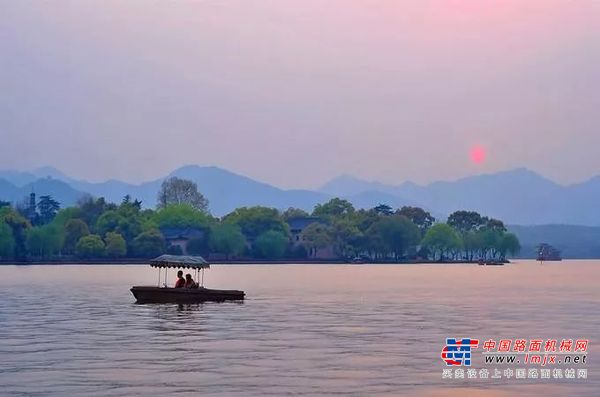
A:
{"points": [[304, 330]]}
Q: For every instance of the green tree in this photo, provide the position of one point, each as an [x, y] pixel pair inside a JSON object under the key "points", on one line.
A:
{"points": [[254, 221], [65, 215], [495, 224], [271, 244], [124, 220], [345, 236], [491, 242], [335, 207], [19, 226], [109, 221], [466, 221], [74, 230], [127, 201], [34, 242], [48, 207], [181, 191], [315, 236], [148, 244], [180, 215], [227, 239], [131, 224], [91, 209], [43, 241], [383, 209], [394, 234], [90, 246], [365, 218], [509, 245], [115, 245], [293, 213], [472, 244], [7, 241], [441, 238], [418, 216]]}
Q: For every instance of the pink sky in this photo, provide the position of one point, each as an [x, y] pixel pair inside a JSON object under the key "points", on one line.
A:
{"points": [[297, 92]]}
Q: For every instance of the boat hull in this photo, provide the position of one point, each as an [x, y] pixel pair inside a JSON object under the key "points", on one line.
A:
{"points": [[144, 294]]}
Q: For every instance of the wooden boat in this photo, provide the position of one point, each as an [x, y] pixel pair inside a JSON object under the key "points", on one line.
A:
{"points": [[183, 295], [165, 294]]}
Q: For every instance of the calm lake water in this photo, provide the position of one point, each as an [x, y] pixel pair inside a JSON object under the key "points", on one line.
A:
{"points": [[364, 330]]}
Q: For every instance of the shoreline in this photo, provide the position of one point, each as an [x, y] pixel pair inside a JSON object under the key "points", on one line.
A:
{"points": [[144, 261]]}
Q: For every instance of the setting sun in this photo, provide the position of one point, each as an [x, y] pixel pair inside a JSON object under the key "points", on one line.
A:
{"points": [[478, 154]]}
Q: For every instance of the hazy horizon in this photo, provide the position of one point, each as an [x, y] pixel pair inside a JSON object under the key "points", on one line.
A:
{"points": [[52, 169], [297, 93]]}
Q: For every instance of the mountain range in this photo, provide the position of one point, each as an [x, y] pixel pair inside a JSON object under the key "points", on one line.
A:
{"points": [[518, 196]]}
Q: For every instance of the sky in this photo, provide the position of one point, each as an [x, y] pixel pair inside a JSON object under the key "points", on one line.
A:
{"points": [[297, 92]]}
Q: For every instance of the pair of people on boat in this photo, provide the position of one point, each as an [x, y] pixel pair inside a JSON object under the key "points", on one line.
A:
{"points": [[187, 282]]}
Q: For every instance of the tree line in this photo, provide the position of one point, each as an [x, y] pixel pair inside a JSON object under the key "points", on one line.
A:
{"points": [[95, 228]]}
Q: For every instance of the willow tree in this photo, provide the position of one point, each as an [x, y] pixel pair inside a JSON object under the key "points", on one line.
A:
{"points": [[393, 234], [7, 241], [441, 238]]}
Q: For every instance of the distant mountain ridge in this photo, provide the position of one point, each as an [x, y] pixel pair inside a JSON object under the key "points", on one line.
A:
{"points": [[59, 190], [224, 190], [518, 196]]}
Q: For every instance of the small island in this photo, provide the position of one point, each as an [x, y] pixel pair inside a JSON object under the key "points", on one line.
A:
{"points": [[546, 252]]}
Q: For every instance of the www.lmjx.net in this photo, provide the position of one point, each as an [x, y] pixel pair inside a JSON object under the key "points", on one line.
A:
{"points": [[534, 354]]}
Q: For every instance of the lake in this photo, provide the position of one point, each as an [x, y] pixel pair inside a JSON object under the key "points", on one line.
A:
{"points": [[364, 330]]}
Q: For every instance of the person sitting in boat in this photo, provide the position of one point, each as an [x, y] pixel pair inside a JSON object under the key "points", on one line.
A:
{"points": [[189, 282], [180, 283]]}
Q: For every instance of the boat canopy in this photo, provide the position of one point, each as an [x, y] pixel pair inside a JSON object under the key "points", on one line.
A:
{"points": [[180, 261]]}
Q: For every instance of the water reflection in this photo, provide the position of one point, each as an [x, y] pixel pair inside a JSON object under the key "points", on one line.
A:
{"points": [[303, 330], [189, 307]]}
